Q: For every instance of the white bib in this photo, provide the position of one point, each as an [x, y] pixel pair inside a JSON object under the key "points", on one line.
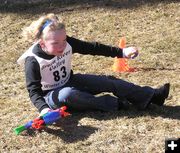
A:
{"points": [[55, 72]]}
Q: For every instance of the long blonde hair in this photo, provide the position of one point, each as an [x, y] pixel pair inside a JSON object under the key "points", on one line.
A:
{"points": [[39, 28]]}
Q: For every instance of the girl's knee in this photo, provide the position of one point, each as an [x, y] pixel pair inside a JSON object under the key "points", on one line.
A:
{"points": [[58, 97], [64, 93]]}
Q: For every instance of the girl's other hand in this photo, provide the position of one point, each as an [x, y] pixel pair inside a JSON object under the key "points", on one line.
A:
{"points": [[130, 52]]}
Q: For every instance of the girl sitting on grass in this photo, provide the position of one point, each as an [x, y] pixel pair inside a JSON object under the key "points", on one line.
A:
{"points": [[51, 83]]}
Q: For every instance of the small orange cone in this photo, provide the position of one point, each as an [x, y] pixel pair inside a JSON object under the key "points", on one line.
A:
{"points": [[121, 64]]}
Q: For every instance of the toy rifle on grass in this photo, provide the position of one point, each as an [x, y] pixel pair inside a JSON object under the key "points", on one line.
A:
{"points": [[42, 121]]}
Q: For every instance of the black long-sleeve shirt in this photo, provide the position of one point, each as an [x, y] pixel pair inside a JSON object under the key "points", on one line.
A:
{"points": [[32, 68]]}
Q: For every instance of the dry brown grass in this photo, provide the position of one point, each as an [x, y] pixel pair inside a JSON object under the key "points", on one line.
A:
{"points": [[154, 28]]}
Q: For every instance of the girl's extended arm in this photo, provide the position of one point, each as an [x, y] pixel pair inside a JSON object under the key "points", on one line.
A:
{"points": [[93, 48]]}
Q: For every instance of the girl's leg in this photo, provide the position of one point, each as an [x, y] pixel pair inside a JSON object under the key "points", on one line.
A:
{"points": [[137, 95], [78, 100]]}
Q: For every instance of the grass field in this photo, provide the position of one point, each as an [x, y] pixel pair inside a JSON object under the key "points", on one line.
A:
{"points": [[152, 26]]}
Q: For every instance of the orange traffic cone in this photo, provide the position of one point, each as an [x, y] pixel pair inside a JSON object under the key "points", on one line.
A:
{"points": [[121, 64]]}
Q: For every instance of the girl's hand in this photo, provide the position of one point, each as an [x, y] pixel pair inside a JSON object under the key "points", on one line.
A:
{"points": [[130, 52], [44, 111]]}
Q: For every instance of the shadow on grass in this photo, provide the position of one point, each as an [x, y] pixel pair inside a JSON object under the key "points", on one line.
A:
{"points": [[70, 130], [170, 112], [155, 69], [70, 5]]}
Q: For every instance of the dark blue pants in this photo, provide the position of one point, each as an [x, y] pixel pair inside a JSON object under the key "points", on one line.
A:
{"points": [[81, 91]]}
